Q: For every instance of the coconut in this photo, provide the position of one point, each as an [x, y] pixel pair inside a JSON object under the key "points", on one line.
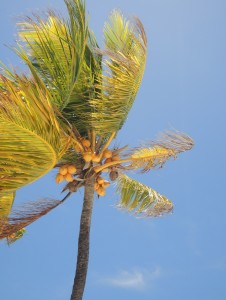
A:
{"points": [[59, 178], [108, 160], [115, 158], [77, 148], [106, 184], [86, 143], [96, 185], [71, 169], [107, 153], [63, 170], [68, 177], [95, 158], [113, 175], [100, 180], [87, 156], [101, 191]]}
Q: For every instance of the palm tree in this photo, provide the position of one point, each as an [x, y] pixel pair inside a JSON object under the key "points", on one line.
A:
{"points": [[65, 115]]}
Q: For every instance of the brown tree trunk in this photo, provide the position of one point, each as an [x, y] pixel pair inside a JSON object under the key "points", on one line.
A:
{"points": [[83, 243]]}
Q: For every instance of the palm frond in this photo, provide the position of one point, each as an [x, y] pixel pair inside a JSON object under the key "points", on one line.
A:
{"points": [[123, 68], [15, 236], [56, 48], [168, 145], [86, 87], [31, 141], [61, 51], [23, 216], [141, 199], [6, 202]]}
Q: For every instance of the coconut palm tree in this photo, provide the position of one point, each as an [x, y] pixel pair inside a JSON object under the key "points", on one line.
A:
{"points": [[65, 114]]}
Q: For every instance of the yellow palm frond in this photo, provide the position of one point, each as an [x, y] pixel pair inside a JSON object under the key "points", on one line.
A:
{"points": [[124, 64], [31, 141], [158, 152], [141, 199], [6, 202]]}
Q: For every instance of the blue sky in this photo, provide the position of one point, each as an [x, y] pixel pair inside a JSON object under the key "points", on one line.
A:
{"points": [[179, 256]]}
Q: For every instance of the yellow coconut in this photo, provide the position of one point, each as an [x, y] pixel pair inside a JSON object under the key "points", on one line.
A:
{"points": [[71, 169], [77, 148], [59, 178], [95, 158], [86, 143], [115, 158], [96, 185], [107, 153], [68, 177], [105, 184], [107, 160], [101, 191], [87, 156], [100, 180], [63, 170]]}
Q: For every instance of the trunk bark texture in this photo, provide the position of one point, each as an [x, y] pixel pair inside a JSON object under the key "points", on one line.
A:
{"points": [[83, 243]]}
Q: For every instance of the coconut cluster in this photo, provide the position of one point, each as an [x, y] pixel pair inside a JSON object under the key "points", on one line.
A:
{"points": [[94, 160], [90, 156], [66, 172], [100, 186], [110, 157]]}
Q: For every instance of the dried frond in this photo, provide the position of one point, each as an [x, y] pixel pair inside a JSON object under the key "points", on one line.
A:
{"points": [[168, 145], [23, 216], [141, 199], [175, 140]]}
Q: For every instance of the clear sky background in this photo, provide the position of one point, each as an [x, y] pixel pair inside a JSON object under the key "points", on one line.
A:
{"points": [[179, 256]]}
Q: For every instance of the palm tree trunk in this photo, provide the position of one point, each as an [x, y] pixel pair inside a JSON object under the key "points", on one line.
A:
{"points": [[83, 243]]}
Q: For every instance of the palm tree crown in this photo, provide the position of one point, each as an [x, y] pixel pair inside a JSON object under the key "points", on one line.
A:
{"points": [[58, 115]]}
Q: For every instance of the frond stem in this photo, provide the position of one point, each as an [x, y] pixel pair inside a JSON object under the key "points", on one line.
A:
{"points": [[110, 164], [107, 143], [93, 140]]}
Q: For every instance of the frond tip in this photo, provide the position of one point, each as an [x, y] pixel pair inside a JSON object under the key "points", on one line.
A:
{"points": [[168, 145], [15, 236], [175, 140], [141, 199]]}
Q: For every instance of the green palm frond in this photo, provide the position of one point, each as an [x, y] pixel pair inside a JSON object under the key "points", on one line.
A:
{"points": [[31, 141], [141, 199], [123, 68], [158, 152], [6, 202], [85, 85], [61, 51], [56, 49]]}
